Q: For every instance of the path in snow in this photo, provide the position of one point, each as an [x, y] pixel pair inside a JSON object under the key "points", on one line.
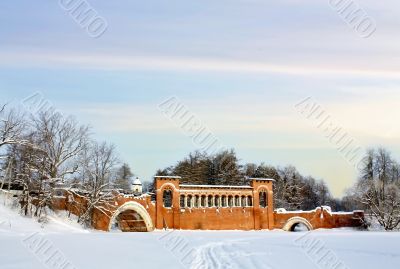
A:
{"points": [[229, 255]]}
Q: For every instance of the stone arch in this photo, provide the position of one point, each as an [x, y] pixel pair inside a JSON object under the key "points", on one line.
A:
{"points": [[292, 222], [138, 208], [262, 188], [167, 185]]}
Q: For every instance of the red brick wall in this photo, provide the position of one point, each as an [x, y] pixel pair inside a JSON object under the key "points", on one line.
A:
{"points": [[217, 219], [320, 218], [223, 218]]}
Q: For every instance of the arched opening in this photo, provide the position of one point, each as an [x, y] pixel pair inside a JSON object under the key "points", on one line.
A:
{"points": [[244, 201], [203, 201], [129, 221], [237, 200], [297, 224], [230, 201], [182, 201], [223, 201], [167, 198], [131, 217], [216, 201], [210, 201], [263, 199], [249, 201], [299, 227], [196, 201], [190, 201]]}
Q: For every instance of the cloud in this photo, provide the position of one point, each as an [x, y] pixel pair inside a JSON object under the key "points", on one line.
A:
{"points": [[366, 119], [183, 64]]}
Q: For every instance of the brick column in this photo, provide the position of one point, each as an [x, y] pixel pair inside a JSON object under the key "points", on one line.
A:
{"points": [[256, 210]]}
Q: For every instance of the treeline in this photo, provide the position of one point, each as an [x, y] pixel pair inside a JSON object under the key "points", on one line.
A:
{"points": [[292, 190], [44, 150]]}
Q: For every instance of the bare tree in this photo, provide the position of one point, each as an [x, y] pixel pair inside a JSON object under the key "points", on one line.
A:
{"points": [[24, 165], [378, 188], [98, 164], [11, 127], [43, 153], [51, 148], [62, 140]]}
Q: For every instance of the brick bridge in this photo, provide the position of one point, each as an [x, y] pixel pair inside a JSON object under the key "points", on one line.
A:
{"points": [[209, 207]]}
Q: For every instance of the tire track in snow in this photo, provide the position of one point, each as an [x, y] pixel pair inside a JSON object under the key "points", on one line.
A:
{"points": [[219, 255], [210, 256]]}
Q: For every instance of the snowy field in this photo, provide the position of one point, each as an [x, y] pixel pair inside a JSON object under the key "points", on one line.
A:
{"points": [[63, 244]]}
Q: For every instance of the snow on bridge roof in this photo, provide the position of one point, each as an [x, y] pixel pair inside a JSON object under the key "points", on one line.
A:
{"points": [[175, 177], [262, 179], [215, 186]]}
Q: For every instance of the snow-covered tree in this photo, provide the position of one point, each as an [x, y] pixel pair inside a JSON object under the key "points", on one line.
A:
{"points": [[378, 188], [62, 139], [226, 168], [26, 166], [289, 188], [12, 125], [98, 162]]}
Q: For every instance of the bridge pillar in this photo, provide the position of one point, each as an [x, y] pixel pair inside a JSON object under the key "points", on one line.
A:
{"points": [[263, 217], [167, 217]]}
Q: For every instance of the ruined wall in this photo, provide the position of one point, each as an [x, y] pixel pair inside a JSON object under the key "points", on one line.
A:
{"points": [[77, 205], [321, 218]]}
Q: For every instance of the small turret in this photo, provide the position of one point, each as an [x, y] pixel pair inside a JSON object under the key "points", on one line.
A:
{"points": [[137, 186]]}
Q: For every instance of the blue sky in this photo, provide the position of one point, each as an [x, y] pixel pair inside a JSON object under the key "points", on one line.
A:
{"points": [[240, 66]]}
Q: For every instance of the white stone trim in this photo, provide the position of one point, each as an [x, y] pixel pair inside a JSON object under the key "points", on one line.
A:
{"points": [[135, 207], [296, 220]]}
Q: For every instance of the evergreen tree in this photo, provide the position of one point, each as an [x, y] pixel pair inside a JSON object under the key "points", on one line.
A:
{"points": [[124, 175]]}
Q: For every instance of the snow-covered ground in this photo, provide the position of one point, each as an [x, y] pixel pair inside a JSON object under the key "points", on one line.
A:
{"points": [[26, 244]]}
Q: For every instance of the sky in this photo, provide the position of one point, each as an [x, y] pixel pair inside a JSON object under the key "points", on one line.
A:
{"points": [[240, 66]]}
